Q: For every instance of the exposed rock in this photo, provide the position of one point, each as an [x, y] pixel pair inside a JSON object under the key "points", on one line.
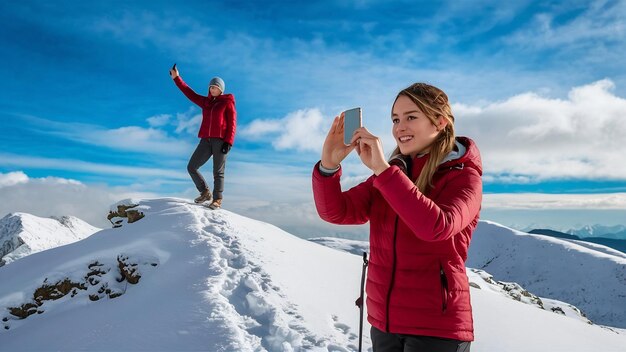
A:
{"points": [[518, 293], [24, 310], [474, 285], [130, 272], [56, 291], [97, 278], [116, 217]]}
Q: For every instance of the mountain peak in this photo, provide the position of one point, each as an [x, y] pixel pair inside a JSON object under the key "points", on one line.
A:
{"points": [[22, 234]]}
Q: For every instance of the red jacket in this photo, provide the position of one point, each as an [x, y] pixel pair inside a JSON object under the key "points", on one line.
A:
{"points": [[416, 281], [219, 117]]}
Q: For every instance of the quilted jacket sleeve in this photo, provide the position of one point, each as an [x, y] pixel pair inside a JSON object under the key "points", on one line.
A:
{"points": [[455, 208], [351, 207], [230, 117], [189, 93]]}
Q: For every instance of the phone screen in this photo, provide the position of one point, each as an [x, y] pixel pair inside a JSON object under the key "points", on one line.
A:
{"points": [[351, 121]]}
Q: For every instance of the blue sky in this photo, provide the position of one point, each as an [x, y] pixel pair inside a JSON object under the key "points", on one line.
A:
{"points": [[87, 99]]}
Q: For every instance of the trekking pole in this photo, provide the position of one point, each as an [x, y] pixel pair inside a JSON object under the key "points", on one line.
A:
{"points": [[359, 302]]}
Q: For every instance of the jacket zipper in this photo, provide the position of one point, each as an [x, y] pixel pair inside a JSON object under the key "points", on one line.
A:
{"points": [[393, 271], [444, 289], [211, 114]]}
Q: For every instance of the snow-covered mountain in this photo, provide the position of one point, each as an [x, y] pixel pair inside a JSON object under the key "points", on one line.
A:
{"points": [[614, 232], [22, 234], [187, 278], [590, 276], [619, 245]]}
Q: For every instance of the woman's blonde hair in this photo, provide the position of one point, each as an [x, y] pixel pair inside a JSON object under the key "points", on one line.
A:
{"points": [[433, 102]]}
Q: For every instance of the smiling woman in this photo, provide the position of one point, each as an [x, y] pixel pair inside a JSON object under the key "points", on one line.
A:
{"points": [[423, 206]]}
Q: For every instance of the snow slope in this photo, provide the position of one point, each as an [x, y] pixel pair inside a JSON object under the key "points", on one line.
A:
{"points": [[22, 234], [591, 277], [217, 281]]}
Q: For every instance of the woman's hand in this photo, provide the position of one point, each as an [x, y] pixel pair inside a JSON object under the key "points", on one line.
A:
{"points": [[334, 150], [370, 150], [174, 72]]}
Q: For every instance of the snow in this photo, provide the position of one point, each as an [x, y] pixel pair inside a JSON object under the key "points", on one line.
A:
{"points": [[22, 234], [217, 281], [589, 276], [599, 247]]}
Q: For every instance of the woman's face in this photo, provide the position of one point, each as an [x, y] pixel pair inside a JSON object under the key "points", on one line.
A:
{"points": [[214, 91], [412, 130]]}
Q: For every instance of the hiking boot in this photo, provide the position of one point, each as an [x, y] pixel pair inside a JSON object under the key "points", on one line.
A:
{"points": [[204, 197], [216, 204]]}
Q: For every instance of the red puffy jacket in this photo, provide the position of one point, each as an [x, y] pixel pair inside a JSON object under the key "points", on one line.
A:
{"points": [[219, 117], [416, 281]]}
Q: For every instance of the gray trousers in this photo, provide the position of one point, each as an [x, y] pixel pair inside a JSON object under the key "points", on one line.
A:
{"points": [[207, 148], [389, 342]]}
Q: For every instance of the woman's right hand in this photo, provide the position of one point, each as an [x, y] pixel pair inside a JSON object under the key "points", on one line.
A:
{"points": [[174, 72], [334, 150]]}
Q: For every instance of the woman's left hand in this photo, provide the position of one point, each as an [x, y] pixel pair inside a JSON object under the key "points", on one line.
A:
{"points": [[370, 150]]}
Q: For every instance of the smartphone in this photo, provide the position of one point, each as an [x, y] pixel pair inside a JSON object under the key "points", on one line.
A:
{"points": [[351, 121]]}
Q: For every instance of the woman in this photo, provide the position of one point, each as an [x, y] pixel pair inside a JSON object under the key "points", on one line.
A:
{"points": [[423, 205], [217, 134]]}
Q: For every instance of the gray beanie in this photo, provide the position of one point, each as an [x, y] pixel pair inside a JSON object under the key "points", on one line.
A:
{"points": [[218, 82]]}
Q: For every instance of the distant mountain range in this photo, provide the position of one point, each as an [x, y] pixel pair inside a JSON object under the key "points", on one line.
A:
{"points": [[614, 232], [617, 244], [617, 232]]}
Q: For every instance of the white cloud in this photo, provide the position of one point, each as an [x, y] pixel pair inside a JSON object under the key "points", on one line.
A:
{"points": [[159, 120], [526, 138], [302, 130], [127, 138], [188, 122], [12, 178], [118, 171], [600, 22], [303, 220], [133, 138], [52, 196], [542, 201], [530, 137]]}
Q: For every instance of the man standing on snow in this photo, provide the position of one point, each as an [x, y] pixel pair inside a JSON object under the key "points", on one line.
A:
{"points": [[217, 134]]}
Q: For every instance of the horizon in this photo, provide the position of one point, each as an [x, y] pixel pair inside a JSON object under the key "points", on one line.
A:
{"points": [[90, 114]]}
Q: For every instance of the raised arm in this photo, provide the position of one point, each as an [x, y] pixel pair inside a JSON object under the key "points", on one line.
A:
{"points": [[333, 205], [189, 93]]}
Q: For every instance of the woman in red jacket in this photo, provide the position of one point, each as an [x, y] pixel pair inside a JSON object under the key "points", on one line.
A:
{"points": [[423, 205], [217, 134]]}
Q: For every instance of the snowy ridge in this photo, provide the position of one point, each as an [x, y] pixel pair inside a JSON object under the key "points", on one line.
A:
{"points": [[589, 276], [187, 278], [209, 279], [22, 234]]}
